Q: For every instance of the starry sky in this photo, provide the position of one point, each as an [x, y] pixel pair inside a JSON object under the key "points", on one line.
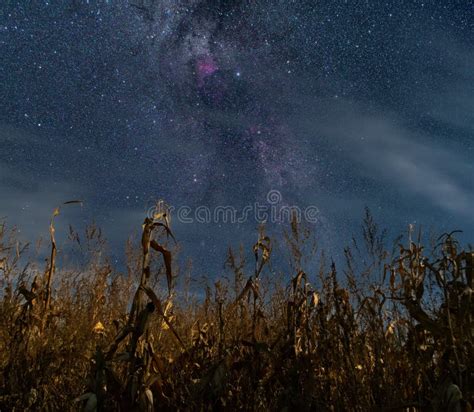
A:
{"points": [[336, 104]]}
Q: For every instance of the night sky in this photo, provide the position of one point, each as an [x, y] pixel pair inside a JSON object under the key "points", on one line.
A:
{"points": [[336, 104]]}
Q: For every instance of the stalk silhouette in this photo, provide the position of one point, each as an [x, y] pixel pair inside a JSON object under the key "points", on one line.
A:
{"points": [[392, 331]]}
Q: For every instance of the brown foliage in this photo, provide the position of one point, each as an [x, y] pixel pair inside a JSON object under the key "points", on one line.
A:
{"points": [[395, 332]]}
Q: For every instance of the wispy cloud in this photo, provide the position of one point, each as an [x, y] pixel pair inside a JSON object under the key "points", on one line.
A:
{"points": [[381, 146]]}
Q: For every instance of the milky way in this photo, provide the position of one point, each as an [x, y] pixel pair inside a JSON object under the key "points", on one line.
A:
{"points": [[210, 63], [337, 104]]}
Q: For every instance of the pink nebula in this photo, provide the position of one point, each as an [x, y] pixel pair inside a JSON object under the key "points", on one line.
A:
{"points": [[205, 66]]}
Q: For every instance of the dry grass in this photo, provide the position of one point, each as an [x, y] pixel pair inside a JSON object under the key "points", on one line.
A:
{"points": [[393, 331]]}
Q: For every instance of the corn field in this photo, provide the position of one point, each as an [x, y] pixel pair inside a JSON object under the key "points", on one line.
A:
{"points": [[391, 330]]}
